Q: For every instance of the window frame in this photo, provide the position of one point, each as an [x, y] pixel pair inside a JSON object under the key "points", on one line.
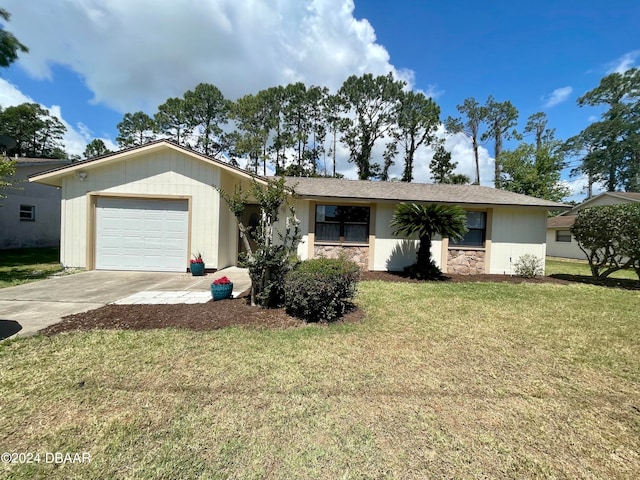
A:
{"points": [[27, 213], [342, 223], [463, 242], [558, 236]]}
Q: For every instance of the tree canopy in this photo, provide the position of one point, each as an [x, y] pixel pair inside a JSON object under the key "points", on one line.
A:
{"points": [[610, 147], [372, 105], [37, 133], [292, 129], [475, 114], [135, 129], [10, 46], [535, 168], [418, 119], [96, 148]]}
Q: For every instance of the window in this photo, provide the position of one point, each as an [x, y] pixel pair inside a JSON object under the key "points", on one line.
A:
{"points": [[477, 225], [27, 213], [563, 236], [337, 223]]}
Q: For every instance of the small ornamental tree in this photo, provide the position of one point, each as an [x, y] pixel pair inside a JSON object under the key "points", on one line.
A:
{"points": [[273, 254], [609, 236], [425, 221], [7, 170]]}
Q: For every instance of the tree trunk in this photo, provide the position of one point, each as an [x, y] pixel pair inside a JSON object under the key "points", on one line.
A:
{"points": [[424, 253]]}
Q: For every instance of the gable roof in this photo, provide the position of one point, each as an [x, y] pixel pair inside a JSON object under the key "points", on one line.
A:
{"points": [[412, 192], [624, 197], [634, 196], [55, 175], [561, 221]]}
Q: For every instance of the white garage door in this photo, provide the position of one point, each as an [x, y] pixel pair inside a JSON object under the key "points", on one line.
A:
{"points": [[140, 234]]}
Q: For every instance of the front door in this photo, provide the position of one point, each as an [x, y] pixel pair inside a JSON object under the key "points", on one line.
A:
{"points": [[251, 219]]}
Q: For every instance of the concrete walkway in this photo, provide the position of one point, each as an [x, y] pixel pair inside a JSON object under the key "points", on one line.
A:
{"points": [[238, 276], [26, 309]]}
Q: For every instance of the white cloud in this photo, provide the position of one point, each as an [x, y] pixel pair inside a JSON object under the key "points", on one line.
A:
{"points": [[625, 62], [578, 188], [75, 139], [133, 55], [558, 96]]}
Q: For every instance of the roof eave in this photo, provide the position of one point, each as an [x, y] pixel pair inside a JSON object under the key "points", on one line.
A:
{"points": [[54, 176], [317, 197]]}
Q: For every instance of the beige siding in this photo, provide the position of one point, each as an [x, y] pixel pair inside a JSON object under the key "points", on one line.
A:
{"points": [[164, 173], [563, 249], [304, 214], [603, 200], [227, 228], [73, 234], [515, 232]]}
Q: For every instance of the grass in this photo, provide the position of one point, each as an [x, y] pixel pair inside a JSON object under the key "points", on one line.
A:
{"points": [[570, 266], [27, 265], [475, 380], [579, 271]]}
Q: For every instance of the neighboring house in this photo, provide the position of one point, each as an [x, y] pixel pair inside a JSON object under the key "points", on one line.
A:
{"points": [[150, 207], [30, 215], [560, 241]]}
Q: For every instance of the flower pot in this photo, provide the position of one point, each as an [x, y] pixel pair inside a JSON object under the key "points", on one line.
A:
{"points": [[197, 269], [220, 292]]}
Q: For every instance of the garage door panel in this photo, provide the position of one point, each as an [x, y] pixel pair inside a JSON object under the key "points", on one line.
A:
{"points": [[139, 234]]}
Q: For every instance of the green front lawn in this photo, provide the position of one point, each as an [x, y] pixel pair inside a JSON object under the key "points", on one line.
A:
{"points": [[442, 380], [27, 264], [570, 266]]}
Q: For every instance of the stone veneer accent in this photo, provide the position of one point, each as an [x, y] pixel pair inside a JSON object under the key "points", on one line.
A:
{"points": [[465, 262], [358, 254]]}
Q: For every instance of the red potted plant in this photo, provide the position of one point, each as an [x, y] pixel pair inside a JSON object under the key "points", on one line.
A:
{"points": [[221, 288], [197, 265]]}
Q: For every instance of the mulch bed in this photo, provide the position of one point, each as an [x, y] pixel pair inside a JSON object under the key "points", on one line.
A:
{"points": [[402, 277], [237, 312]]}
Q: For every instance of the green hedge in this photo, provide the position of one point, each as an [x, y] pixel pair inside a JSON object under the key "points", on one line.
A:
{"points": [[321, 289]]}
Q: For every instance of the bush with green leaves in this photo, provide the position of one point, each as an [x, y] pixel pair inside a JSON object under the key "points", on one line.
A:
{"points": [[529, 266], [274, 253], [321, 289], [609, 236]]}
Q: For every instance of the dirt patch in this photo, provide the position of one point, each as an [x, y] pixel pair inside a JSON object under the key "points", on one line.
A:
{"points": [[225, 313]]}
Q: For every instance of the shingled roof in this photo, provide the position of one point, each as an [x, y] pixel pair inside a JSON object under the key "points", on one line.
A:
{"points": [[413, 192], [561, 221]]}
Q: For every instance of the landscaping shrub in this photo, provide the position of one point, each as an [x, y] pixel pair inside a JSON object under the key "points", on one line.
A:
{"points": [[321, 289], [529, 266], [609, 237]]}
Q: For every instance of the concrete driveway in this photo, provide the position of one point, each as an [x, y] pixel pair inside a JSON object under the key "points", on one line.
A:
{"points": [[26, 309]]}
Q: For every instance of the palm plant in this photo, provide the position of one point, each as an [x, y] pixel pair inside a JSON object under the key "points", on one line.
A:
{"points": [[425, 221]]}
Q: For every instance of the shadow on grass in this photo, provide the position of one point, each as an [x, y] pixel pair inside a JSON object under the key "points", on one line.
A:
{"points": [[28, 256], [21, 275], [624, 283], [8, 328], [25, 264]]}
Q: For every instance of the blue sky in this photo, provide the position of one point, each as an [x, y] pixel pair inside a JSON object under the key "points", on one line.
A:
{"points": [[92, 61]]}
